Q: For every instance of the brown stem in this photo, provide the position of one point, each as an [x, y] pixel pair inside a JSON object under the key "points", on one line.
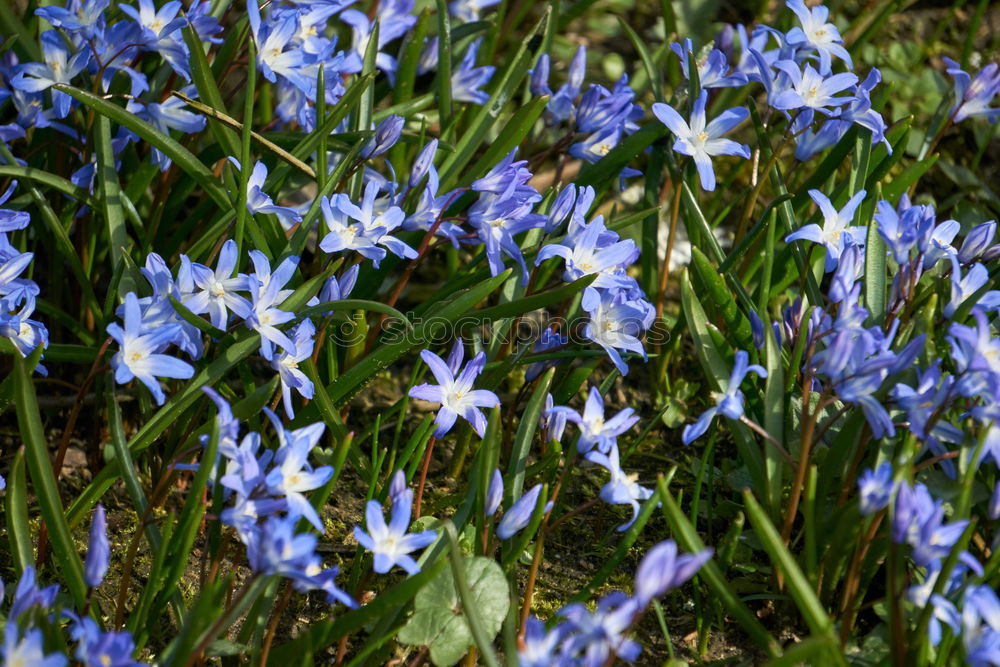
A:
{"points": [[808, 425], [216, 628], [272, 627], [665, 272], [423, 477], [853, 580]]}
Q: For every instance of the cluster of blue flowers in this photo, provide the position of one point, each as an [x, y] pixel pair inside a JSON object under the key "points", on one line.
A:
{"points": [[18, 294], [594, 637], [37, 619], [783, 63]]}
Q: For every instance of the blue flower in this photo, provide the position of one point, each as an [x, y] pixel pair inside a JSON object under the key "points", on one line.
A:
{"points": [[258, 201], [60, 66], [975, 244], [97, 648], [836, 231], [663, 569], [811, 90], [292, 474], [617, 319], [817, 34], [386, 135], [160, 32], [622, 488], [467, 79], [267, 294], [713, 70], [455, 394], [595, 432], [973, 95], [85, 17], [963, 287], [594, 250], [218, 288], [703, 141], [901, 230], [140, 354], [287, 365], [391, 544], [467, 11], [729, 403], [29, 649], [599, 636], [369, 233], [875, 489], [540, 645], [494, 493]]}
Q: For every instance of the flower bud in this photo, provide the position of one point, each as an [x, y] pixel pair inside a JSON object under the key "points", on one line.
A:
{"points": [[977, 241], [386, 135], [98, 551]]}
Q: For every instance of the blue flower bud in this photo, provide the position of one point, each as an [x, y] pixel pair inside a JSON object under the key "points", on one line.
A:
{"points": [[977, 241], [519, 515], [386, 135], [540, 76], [397, 487], [423, 162], [98, 551], [494, 494], [875, 488], [561, 208], [757, 329]]}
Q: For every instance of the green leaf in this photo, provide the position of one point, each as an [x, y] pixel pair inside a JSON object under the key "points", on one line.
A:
{"points": [[110, 193], [365, 370], [513, 133], [57, 183], [774, 417], [444, 66], [437, 624], [208, 90], [715, 367], [526, 434], [44, 482], [719, 294], [16, 509], [798, 585], [182, 157], [321, 634], [710, 573], [875, 272], [489, 113]]}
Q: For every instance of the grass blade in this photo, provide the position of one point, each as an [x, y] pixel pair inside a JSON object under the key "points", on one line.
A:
{"points": [[44, 481]]}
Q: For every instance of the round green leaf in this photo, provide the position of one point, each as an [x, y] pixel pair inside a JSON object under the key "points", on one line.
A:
{"points": [[438, 620]]}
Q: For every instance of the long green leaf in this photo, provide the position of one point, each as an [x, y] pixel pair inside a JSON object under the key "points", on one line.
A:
{"points": [[490, 112], [181, 156], [57, 183], [111, 202], [208, 90], [40, 468], [16, 509], [802, 592], [526, 433], [688, 538]]}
